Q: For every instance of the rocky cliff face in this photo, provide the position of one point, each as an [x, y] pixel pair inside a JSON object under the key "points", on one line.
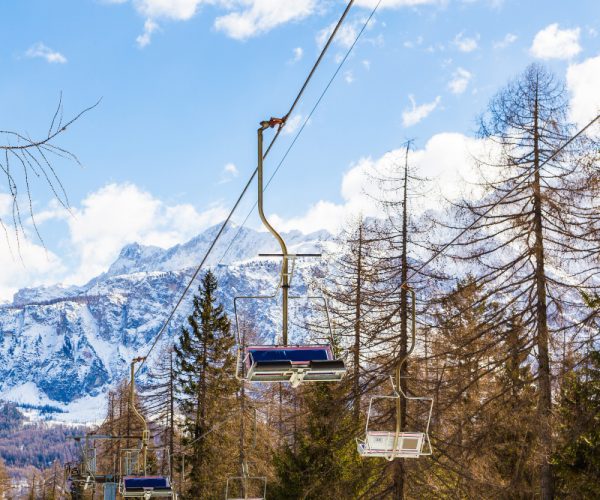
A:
{"points": [[62, 344]]}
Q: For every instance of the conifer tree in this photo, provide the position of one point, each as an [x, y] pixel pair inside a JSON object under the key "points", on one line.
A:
{"points": [[400, 237], [206, 387], [323, 463], [358, 302], [577, 459], [482, 423]]}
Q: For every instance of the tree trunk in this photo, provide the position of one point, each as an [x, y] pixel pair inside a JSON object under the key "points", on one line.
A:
{"points": [[357, 326], [171, 414], [545, 394], [399, 472]]}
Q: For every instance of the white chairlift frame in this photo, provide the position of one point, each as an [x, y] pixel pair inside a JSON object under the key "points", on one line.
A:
{"points": [[244, 480], [392, 443], [396, 448]]}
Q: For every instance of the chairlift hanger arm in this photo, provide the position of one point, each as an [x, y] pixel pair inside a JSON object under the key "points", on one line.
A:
{"points": [[285, 284], [145, 431]]}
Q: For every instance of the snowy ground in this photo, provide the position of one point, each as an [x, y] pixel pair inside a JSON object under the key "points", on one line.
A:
{"points": [[87, 410]]}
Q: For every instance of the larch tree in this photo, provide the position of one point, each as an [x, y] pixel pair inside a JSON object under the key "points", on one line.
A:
{"points": [[482, 423], [402, 248], [352, 284], [5, 482], [159, 402], [529, 237], [206, 385]]}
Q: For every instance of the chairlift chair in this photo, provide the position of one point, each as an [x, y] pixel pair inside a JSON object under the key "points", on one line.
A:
{"points": [[283, 362], [135, 482], [245, 490], [147, 487], [390, 444], [246, 487], [398, 443]]}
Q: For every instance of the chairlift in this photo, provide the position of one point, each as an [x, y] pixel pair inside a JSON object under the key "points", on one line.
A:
{"points": [[246, 487], [135, 482], [283, 362], [391, 444]]}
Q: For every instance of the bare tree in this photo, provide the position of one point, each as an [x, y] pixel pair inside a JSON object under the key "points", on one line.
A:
{"points": [[530, 237], [24, 158]]}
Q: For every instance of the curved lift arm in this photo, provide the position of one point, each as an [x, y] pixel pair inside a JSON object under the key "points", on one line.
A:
{"points": [[397, 384], [145, 431], [285, 277]]}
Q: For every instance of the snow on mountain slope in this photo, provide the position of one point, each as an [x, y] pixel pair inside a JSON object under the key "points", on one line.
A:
{"points": [[64, 346]]}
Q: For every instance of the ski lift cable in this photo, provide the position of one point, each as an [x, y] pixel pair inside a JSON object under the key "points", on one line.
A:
{"points": [[247, 186], [304, 124]]}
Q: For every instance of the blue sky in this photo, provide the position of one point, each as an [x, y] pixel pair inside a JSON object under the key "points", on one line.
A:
{"points": [[184, 84]]}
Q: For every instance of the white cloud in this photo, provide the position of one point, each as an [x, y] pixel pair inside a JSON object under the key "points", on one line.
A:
{"points": [[366, 64], [460, 81], [292, 124], [345, 36], [24, 260], [298, 53], [349, 77], [118, 214], [239, 19], [145, 38], [508, 39], [410, 44], [417, 113], [39, 50], [446, 159], [465, 44], [395, 4], [253, 17], [230, 171], [583, 82], [180, 10], [554, 43]]}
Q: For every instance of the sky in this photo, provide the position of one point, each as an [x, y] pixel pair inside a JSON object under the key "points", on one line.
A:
{"points": [[184, 83]]}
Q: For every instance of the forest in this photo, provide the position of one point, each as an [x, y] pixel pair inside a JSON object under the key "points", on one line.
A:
{"points": [[507, 303]]}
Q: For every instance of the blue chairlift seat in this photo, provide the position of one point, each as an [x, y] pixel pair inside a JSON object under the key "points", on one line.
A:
{"points": [[293, 364], [147, 487]]}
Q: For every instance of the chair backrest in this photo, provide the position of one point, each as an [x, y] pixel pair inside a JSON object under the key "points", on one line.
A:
{"points": [[146, 482], [294, 354], [246, 488]]}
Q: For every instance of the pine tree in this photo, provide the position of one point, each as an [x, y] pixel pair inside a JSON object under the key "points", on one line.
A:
{"points": [[206, 387], [323, 462]]}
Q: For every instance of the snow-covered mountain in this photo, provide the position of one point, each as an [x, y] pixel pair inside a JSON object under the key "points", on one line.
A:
{"points": [[67, 345]]}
